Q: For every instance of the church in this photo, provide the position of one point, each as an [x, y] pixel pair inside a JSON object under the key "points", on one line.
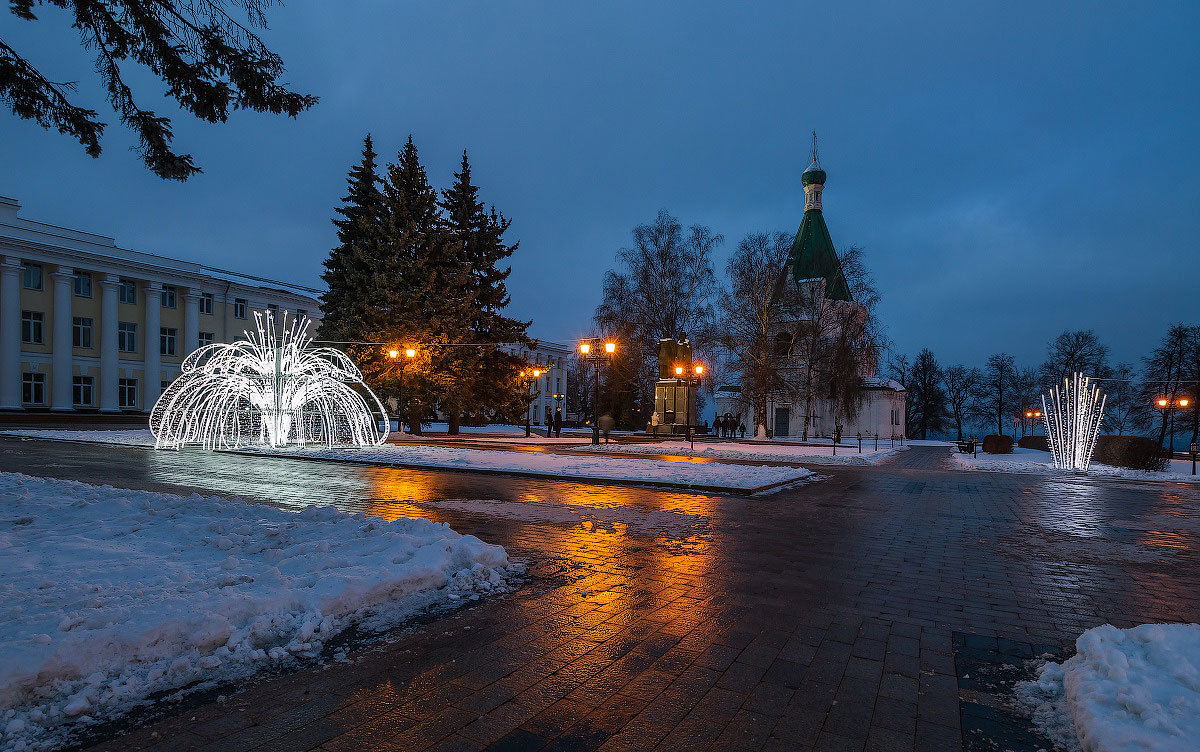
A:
{"points": [[824, 366]]}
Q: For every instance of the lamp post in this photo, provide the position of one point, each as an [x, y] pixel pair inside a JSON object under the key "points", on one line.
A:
{"points": [[394, 354], [528, 378], [691, 382], [1166, 405], [595, 352], [1032, 416]]}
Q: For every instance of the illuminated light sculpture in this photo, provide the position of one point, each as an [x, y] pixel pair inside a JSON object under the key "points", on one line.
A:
{"points": [[271, 388], [1073, 415]]}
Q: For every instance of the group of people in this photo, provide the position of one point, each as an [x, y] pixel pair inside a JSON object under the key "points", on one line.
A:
{"points": [[728, 427]]}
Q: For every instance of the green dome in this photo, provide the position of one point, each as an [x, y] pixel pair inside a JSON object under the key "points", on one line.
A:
{"points": [[814, 174]]}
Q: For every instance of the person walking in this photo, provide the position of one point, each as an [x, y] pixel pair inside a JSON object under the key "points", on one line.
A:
{"points": [[558, 423], [742, 428]]}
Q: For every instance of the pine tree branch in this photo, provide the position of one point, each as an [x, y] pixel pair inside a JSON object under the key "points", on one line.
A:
{"points": [[33, 97]]}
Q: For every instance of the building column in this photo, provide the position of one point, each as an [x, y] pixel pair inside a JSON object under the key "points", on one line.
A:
{"points": [[110, 366], [191, 320], [153, 362], [60, 344], [10, 333]]}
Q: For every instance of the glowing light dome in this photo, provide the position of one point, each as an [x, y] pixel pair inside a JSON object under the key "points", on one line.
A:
{"points": [[268, 389]]}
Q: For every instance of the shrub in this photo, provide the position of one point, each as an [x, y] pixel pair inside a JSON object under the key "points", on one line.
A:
{"points": [[1133, 452], [997, 444], [1034, 442]]}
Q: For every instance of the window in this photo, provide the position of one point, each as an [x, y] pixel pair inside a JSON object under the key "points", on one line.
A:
{"points": [[127, 292], [31, 276], [168, 296], [162, 385], [206, 303], [274, 311], [127, 392], [31, 327], [81, 387], [239, 308], [205, 338], [783, 345], [126, 337], [83, 284], [301, 313], [166, 340], [33, 388], [81, 332]]}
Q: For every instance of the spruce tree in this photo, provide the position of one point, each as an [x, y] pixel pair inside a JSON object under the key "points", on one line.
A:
{"points": [[428, 286], [490, 382]]}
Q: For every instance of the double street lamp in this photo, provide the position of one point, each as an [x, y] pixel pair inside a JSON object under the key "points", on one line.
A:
{"points": [[693, 382], [1033, 416], [595, 352], [394, 354]]}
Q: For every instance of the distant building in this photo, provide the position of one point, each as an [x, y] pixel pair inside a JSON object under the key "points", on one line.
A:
{"points": [[550, 389], [812, 286], [88, 326]]}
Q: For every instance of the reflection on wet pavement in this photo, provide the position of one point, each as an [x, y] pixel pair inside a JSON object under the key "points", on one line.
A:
{"points": [[820, 616]]}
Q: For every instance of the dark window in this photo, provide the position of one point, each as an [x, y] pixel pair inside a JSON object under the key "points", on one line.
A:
{"points": [[783, 345], [206, 303], [33, 388], [83, 284], [204, 338], [239, 308], [166, 340], [81, 387], [31, 327], [81, 332], [31, 276], [127, 392], [126, 336], [127, 292], [169, 297]]}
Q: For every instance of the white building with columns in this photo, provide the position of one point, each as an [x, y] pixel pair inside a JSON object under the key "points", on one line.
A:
{"points": [[550, 388], [86, 326]]}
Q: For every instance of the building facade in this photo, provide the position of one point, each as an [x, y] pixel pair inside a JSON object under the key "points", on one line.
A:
{"points": [[549, 389], [87, 326]]}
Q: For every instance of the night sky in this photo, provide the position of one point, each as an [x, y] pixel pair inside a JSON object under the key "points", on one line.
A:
{"points": [[1012, 169]]}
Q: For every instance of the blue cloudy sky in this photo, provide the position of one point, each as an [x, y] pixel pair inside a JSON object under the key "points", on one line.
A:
{"points": [[1012, 169]]}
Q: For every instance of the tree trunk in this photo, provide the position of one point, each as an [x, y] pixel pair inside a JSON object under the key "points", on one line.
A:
{"points": [[453, 420]]}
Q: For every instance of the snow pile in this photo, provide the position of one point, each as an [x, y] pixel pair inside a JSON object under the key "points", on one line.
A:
{"points": [[813, 455], [108, 596], [1036, 461], [1125, 689], [130, 437]]}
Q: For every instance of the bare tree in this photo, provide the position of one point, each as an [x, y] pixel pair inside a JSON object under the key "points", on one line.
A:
{"points": [[1165, 373], [961, 385], [927, 396], [996, 389], [1124, 408], [750, 316], [663, 288], [1076, 352]]}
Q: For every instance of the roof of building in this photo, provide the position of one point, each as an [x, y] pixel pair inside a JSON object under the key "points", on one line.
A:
{"points": [[812, 255], [878, 383]]}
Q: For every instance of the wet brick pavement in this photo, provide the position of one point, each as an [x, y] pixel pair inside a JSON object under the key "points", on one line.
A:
{"points": [[823, 617]]}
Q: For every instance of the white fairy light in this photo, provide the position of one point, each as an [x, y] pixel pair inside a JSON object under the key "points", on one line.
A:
{"points": [[270, 389], [1073, 415]]}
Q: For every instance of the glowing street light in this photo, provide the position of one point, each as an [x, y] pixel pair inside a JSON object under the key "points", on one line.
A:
{"points": [[692, 382], [586, 352], [394, 354]]}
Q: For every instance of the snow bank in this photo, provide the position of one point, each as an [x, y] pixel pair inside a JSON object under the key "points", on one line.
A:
{"points": [[1036, 461], [109, 595], [129, 437], [814, 455], [559, 466], [1125, 689]]}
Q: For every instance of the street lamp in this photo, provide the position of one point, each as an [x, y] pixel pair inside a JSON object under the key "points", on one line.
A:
{"points": [[1033, 416], [591, 350], [692, 382], [394, 354], [1167, 404], [529, 378]]}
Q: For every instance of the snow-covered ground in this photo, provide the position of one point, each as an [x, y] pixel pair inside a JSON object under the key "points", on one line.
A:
{"points": [[711, 474], [1036, 461], [129, 437], [1123, 690], [816, 455], [561, 466], [108, 596]]}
